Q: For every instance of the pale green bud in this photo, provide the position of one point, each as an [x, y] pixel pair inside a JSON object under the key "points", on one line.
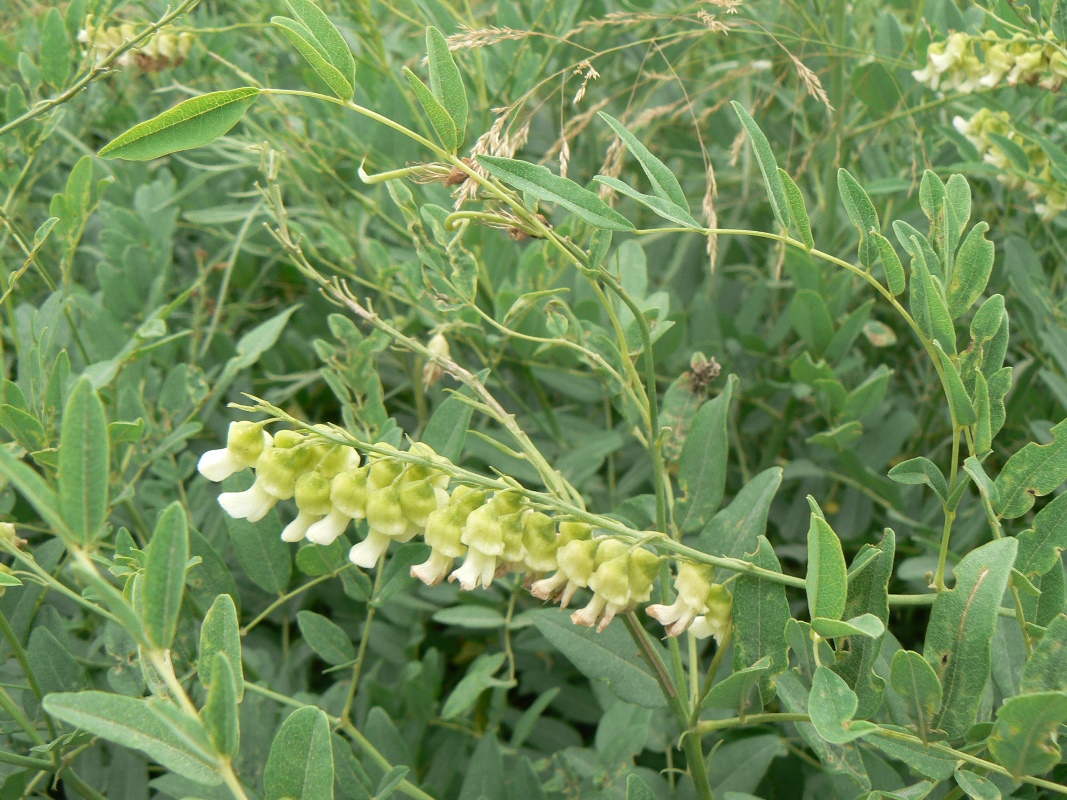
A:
{"points": [[482, 532], [312, 493], [384, 514], [540, 541], [348, 492]]}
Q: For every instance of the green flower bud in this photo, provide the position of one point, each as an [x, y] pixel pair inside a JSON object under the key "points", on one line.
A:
{"points": [[382, 473], [384, 514], [570, 531], [348, 492], [540, 541], [277, 470], [246, 440], [312, 493], [482, 532], [337, 459]]}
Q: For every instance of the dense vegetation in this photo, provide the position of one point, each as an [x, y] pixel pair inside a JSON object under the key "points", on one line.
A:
{"points": [[734, 329]]}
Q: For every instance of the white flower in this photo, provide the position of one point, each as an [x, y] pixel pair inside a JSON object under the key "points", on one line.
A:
{"points": [[478, 569], [252, 504], [245, 442]]}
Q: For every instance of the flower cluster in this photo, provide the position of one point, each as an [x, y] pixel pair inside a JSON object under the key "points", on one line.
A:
{"points": [[1040, 185], [965, 62], [491, 533], [164, 49]]}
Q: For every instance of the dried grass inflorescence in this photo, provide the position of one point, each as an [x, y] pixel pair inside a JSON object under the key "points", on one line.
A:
{"points": [[475, 534]]}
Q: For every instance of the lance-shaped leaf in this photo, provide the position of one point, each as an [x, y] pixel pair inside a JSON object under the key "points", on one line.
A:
{"points": [[1040, 547], [637, 789], [664, 208], [664, 183], [445, 80], [84, 463], [315, 54], [192, 123], [957, 207], [761, 611], [797, 210], [861, 212], [973, 467], [974, 265], [326, 36], [826, 579], [220, 709], [960, 653], [156, 727], [1024, 737], [958, 399], [220, 633], [921, 470], [1033, 471], [865, 625], [832, 706], [442, 122], [55, 49], [976, 787], [868, 596], [735, 530], [326, 638], [1046, 669], [539, 182], [768, 165], [164, 575], [733, 691], [916, 683], [702, 467], [894, 271], [300, 763]]}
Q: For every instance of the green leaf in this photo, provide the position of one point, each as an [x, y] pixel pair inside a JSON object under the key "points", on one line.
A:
{"points": [[479, 677], [221, 633], [317, 559], [958, 399], [702, 466], [1033, 471], [55, 49], [797, 210], [733, 691], [1014, 151], [868, 595], [300, 763], [327, 37], [328, 640], [261, 551], [637, 789], [735, 530], [973, 467], [315, 54], [52, 664], [1041, 545], [832, 706], [1058, 20], [761, 610], [192, 123], [390, 782], [610, 656], [811, 320], [862, 213], [983, 427], [664, 208], [976, 787], [1024, 737], [539, 182], [864, 625], [920, 759], [446, 82], [446, 432], [443, 124], [164, 576], [960, 654], [974, 265], [921, 470], [220, 709], [916, 683], [987, 320], [84, 463], [24, 428], [1046, 669], [894, 270], [177, 742], [664, 183], [826, 580], [471, 616], [768, 165]]}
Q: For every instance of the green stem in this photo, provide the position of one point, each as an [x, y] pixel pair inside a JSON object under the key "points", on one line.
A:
{"points": [[285, 598], [24, 662]]}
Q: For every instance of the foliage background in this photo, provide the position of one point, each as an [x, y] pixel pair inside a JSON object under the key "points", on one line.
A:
{"points": [[163, 286]]}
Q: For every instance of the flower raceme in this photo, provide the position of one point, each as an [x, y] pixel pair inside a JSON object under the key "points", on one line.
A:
{"points": [[488, 533], [964, 62]]}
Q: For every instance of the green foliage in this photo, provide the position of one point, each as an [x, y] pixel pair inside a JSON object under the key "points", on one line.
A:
{"points": [[566, 354]]}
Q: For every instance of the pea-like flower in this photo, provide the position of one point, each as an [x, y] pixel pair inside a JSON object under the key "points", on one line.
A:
{"points": [[718, 619], [623, 577], [277, 469], [312, 495], [245, 442], [540, 541], [444, 532], [348, 501], [484, 537], [693, 585], [575, 560]]}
